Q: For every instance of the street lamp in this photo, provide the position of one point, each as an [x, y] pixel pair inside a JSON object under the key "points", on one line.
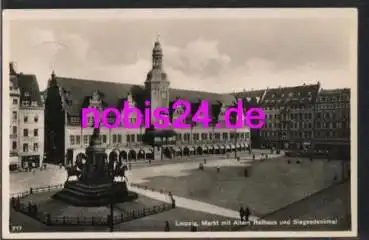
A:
{"points": [[112, 199], [235, 144]]}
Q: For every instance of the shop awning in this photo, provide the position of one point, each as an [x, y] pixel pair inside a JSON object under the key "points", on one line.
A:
{"points": [[13, 160], [215, 147], [177, 149], [210, 147], [228, 147], [238, 145], [232, 146], [160, 133], [147, 149], [204, 147], [123, 149], [221, 147]]}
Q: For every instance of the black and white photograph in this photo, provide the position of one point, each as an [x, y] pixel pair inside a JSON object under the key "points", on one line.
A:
{"points": [[67, 175]]}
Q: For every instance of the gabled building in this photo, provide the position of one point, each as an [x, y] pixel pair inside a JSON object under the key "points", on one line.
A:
{"points": [[27, 121], [332, 121], [66, 139], [252, 99], [290, 116]]}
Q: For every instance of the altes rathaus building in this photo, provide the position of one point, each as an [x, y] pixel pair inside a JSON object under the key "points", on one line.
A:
{"points": [[66, 140]]}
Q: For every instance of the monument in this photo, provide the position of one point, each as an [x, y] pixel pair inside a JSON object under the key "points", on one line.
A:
{"points": [[96, 183]]}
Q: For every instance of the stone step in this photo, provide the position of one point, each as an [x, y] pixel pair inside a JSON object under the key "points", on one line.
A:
{"points": [[76, 194], [81, 201], [88, 190], [82, 193]]}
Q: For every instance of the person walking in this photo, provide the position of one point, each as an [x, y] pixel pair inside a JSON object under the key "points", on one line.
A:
{"points": [[247, 214], [167, 227], [242, 213]]}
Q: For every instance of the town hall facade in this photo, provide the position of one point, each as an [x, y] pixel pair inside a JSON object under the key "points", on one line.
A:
{"points": [[66, 140]]}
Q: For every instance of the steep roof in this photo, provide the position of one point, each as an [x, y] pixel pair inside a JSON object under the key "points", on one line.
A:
{"points": [[77, 92], [251, 97], [338, 92], [303, 94], [27, 84]]}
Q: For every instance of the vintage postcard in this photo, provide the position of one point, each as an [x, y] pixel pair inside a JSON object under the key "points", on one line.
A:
{"points": [[181, 123]]}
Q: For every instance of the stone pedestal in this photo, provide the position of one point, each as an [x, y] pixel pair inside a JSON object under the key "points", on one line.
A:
{"points": [[80, 194], [95, 185]]}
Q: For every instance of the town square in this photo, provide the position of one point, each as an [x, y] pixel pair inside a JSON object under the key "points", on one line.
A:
{"points": [[246, 143]]}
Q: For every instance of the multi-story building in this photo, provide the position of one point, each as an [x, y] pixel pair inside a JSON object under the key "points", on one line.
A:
{"points": [[27, 121], [289, 115], [66, 140], [332, 121], [252, 99]]}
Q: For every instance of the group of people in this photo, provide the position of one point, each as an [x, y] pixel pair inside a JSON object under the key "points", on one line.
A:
{"points": [[244, 213]]}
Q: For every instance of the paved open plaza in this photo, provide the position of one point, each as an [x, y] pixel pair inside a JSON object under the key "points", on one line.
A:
{"points": [[215, 193]]}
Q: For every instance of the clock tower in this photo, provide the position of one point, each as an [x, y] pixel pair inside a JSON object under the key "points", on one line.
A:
{"points": [[157, 84]]}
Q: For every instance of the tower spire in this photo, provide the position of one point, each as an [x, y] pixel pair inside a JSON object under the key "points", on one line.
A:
{"points": [[157, 55]]}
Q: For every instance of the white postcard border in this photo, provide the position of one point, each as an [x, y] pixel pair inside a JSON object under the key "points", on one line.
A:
{"points": [[349, 13]]}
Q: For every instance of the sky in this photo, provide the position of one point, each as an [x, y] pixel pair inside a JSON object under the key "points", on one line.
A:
{"points": [[216, 54]]}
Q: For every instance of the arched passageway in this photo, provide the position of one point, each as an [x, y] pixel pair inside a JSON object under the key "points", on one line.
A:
{"points": [[141, 154], [199, 150], [132, 155], [123, 156]]}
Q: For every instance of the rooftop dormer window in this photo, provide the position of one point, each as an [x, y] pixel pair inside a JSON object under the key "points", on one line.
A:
{"points": [[26, 94]]}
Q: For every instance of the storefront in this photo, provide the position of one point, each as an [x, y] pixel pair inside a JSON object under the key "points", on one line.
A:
{"points": [[13, 163], [31, 161]]}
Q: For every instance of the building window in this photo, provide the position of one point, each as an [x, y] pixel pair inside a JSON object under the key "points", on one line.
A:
{"points": [[71, 140], [225, 136], [178, 137], [35, 147], [36, 119], [15, 116], [78, 140], [25, 119], [119, 138], [35, 132], [14, 145], [132, 137], [85, 139], [25, 147], [217, 136], [139, 137], [14, 130], [104, 138], [128, 138], [25, 132], [15, 101], [204, 136]]}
